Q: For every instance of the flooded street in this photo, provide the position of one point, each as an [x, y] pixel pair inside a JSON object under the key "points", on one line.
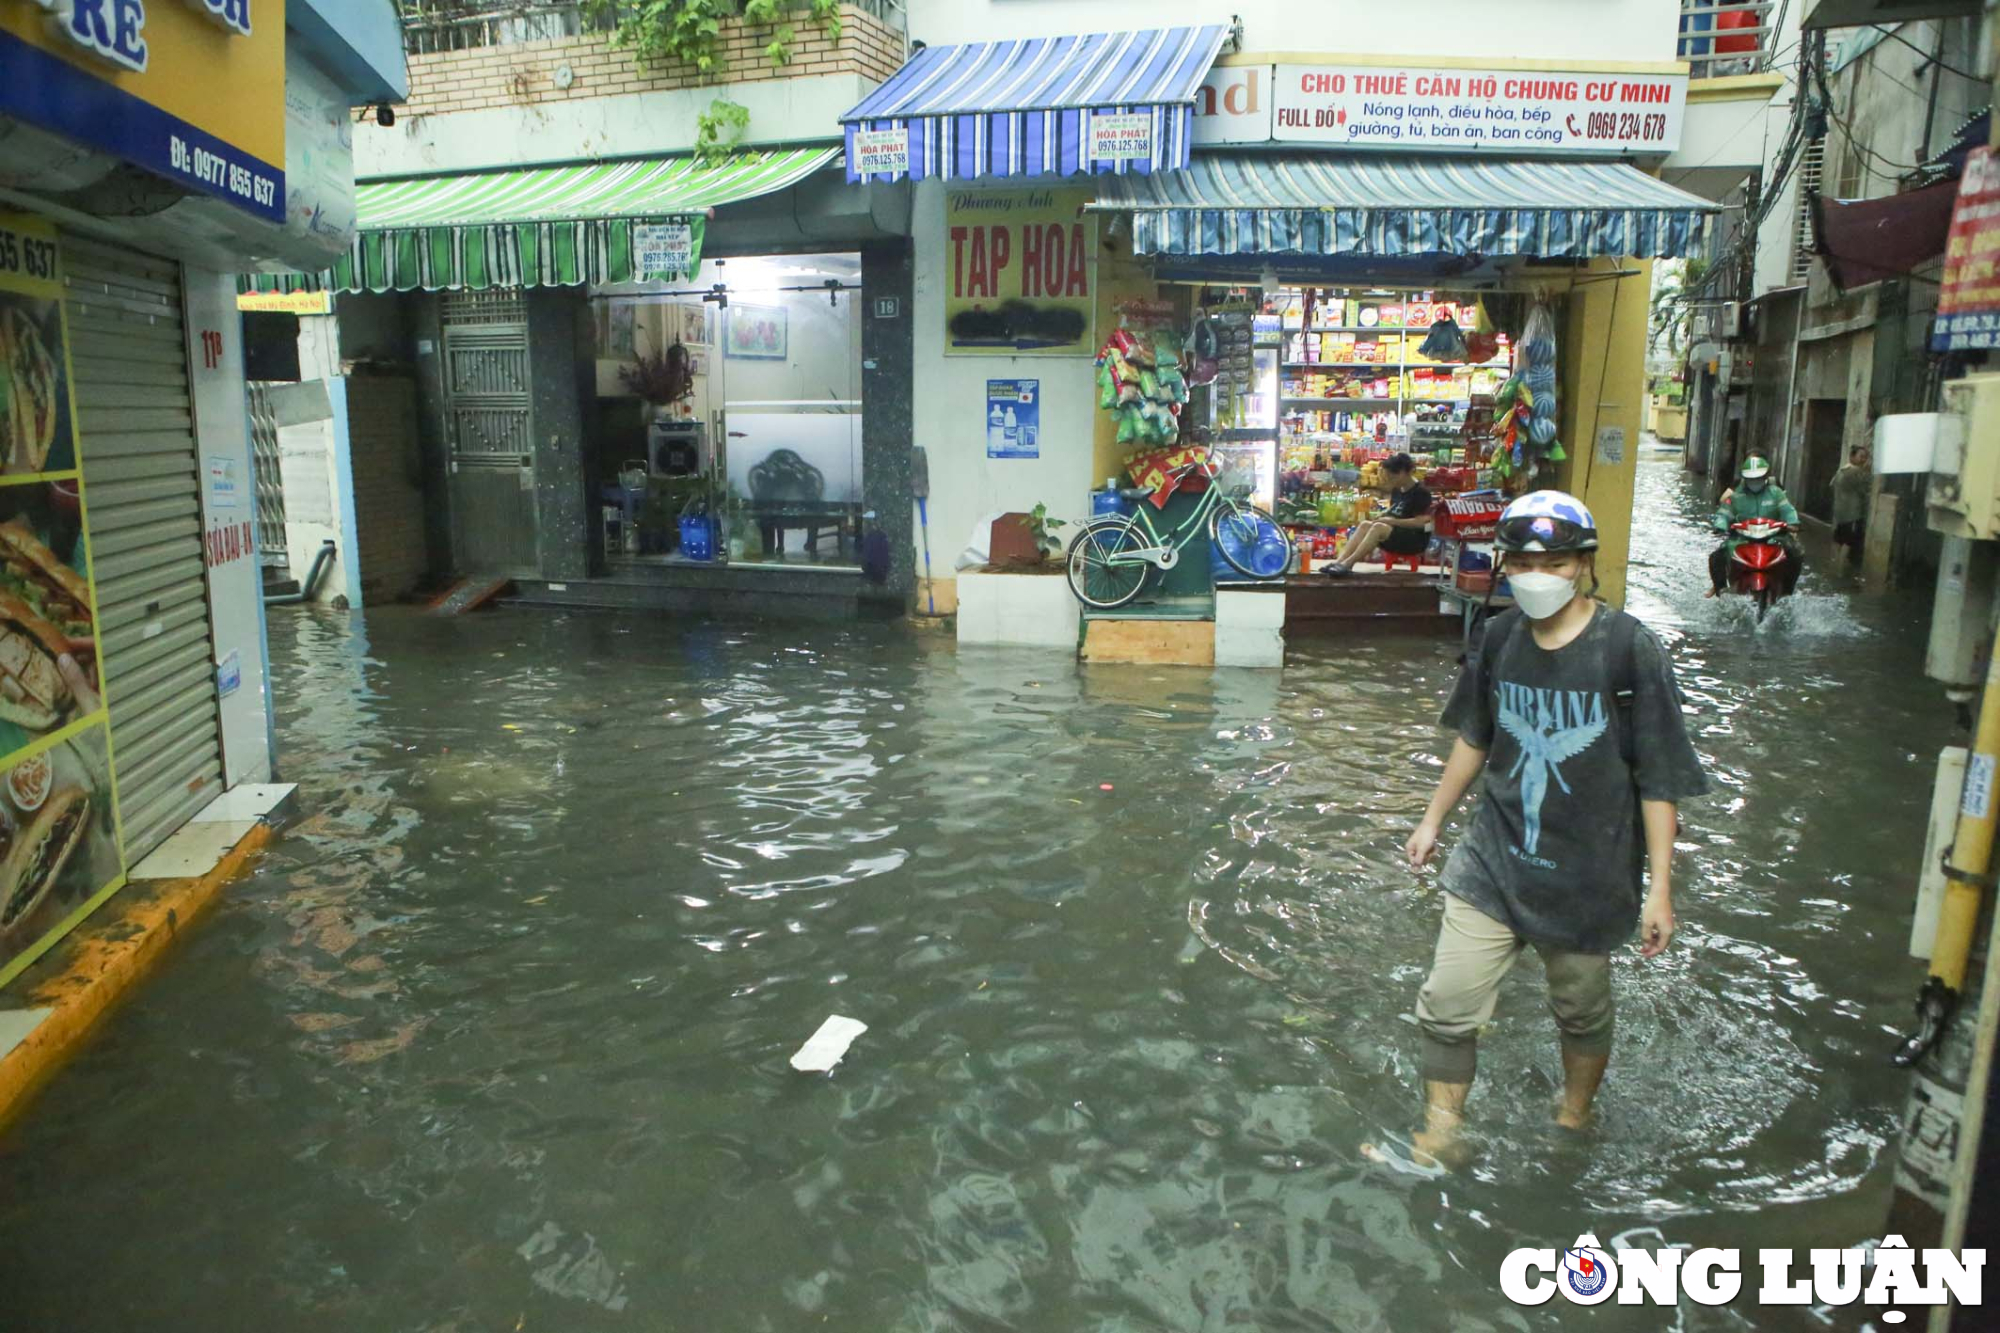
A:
{"points": [[496, 1037]]}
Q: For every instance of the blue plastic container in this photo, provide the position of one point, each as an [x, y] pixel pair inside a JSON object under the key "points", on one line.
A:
{"points": [[698, 537], [1266, 554], [1109, 504]]}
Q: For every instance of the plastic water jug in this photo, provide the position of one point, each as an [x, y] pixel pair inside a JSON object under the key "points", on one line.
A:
{"points": [[1108, 504]]}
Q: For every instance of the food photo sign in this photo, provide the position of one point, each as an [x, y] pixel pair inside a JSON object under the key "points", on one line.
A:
{"points": [[59, 845]]}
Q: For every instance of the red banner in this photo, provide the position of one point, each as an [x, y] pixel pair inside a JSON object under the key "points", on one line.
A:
{"points": [[1968, 312]]}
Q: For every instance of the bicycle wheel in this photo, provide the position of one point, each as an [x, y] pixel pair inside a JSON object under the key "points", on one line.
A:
{"points": [[1250, 540], [1096, 581]]}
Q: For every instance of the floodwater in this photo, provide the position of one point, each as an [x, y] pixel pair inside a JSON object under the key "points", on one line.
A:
{"points": [[497, 1036]]}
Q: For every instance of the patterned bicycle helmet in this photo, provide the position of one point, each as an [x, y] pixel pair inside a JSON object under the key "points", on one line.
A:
{"points": [[1546, 521]]}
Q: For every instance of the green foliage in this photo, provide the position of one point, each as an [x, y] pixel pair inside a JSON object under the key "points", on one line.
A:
{"points": [[1044, 528], [718, 130], [668, 32], [688, 32], [1675, 283]]}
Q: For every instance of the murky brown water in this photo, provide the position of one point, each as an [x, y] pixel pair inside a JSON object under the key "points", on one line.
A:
{"points": [[497, 1036]]}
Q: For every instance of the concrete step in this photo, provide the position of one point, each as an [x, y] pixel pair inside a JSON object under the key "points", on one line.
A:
{"points": [[280, 587], [1150, 642], [1315, 603], [469, 594]]}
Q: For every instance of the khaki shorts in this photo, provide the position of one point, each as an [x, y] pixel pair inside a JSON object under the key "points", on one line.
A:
{"points": [[1474, 954]]}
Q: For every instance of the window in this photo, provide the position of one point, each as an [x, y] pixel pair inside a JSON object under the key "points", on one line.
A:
{"points": [[1853, 182], [1812, 166]]}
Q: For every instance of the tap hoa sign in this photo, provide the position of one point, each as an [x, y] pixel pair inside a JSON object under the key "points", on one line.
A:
{"points": [[115, 30], [1019, 277]]}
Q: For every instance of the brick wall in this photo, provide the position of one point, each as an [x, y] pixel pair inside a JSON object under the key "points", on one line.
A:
{"points": [[388, 485], [523, 73]]}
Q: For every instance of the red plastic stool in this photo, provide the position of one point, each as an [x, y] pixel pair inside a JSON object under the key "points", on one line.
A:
{"points": [[1390, 560]]}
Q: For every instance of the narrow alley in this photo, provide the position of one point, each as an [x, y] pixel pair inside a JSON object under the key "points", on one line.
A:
{"points": [[496, 1036]]}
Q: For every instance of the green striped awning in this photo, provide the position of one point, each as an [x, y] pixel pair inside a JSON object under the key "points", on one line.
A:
{"points": [[543, 226]]}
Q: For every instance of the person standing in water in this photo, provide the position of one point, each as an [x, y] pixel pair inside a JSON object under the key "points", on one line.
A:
{"points": [[1570, 711], [1853, 484]]}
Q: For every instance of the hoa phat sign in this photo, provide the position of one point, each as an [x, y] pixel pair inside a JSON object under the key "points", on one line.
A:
{"points": [[192, 90], [1121, 136], [1405, 108], [880, 152]]}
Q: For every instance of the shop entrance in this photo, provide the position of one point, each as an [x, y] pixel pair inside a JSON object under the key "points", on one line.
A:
{"points": [[1321, 385], [758, 462], [488, 432]]}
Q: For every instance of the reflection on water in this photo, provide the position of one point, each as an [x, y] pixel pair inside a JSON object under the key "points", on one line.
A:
{"points": [[497, 1036]]}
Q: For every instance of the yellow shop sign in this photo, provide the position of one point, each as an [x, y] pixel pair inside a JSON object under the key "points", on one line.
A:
{"points": [[193, 90]]}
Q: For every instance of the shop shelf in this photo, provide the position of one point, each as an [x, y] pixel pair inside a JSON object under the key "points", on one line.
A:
{"points": [[1453, 367], [1343, 402]]}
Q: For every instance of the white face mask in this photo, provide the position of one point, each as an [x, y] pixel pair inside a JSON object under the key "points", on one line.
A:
{"points": [[1541, 595]]}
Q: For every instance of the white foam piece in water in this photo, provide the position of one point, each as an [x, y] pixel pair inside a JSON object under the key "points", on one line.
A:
{"points": [[824, 1048]]}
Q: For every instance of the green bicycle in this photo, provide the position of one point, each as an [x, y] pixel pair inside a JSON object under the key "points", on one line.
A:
{"points": [[1109, 561]]}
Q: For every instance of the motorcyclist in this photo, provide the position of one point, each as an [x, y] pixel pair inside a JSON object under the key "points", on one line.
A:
{"points": [[1755, 496]]}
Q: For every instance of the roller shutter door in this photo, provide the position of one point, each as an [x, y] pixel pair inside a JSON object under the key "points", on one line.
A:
{"points": [[128, 359]]}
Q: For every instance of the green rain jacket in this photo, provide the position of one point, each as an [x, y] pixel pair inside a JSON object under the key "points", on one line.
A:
{"points": [[1771, 502]]}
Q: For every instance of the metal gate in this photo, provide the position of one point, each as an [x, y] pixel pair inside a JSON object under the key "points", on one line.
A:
{"points": [[272, 551], [128, 358], [489, 430]]}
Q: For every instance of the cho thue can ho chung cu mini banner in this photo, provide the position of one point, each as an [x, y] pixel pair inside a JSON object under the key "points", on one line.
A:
{"points": [[60, 851]]}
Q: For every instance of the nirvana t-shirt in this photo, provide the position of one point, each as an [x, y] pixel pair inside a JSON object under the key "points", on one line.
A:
{"points": [[1555, 847]]}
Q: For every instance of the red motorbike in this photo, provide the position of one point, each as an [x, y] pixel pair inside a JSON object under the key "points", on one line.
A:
{"points": [[1762, 566]]}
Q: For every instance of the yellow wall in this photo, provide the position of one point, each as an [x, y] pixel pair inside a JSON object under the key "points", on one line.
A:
{"points": [[1601, 382], [197, 71]]}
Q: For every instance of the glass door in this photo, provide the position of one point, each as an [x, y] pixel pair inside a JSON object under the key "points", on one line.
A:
{"points": [[787, 466]]}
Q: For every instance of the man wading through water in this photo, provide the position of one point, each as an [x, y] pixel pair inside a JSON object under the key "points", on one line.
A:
{"points": [[1570, 710]]}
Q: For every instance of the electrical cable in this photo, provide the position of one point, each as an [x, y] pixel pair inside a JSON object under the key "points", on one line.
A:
{"points": [[1826, 100], [1812, 55], [1928, 57], [1847, 132]]}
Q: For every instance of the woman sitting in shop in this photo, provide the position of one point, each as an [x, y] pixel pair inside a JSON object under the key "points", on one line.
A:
{"points": [[1405, 530]]}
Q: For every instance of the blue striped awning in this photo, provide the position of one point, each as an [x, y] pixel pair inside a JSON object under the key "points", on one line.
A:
{"points": [[1111, 102], [1292, 203]]}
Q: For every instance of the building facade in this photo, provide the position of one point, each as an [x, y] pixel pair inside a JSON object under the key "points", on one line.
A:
{"points": [[1822, 282], [148, 153], [547, 216]]}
